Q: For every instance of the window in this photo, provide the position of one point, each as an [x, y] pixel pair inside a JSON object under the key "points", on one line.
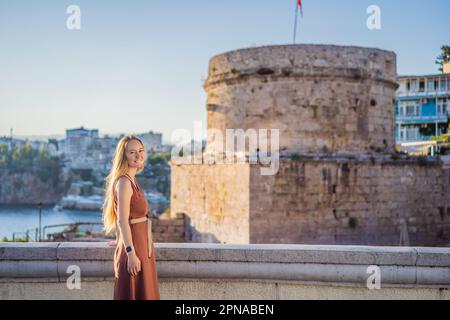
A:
{"points": [[414, 86], [444, 84], [430, 86], [422, 85], [409, 109], [443, 106], [409, 133], [412, 133]]}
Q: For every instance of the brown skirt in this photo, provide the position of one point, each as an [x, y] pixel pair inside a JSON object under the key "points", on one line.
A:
{"points": [[143, 286]]}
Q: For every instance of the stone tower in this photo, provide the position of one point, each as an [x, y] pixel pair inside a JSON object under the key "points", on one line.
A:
{"points": [[339, 179], [320, 97]]}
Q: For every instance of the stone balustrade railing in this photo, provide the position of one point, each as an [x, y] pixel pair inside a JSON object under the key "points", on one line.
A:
{"points": [[232, 271]]}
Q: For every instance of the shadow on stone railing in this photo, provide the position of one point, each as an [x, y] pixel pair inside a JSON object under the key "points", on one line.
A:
{"points": [[231, 271]]}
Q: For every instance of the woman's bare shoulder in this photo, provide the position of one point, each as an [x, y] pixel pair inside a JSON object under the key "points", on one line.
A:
{"points": [[123, 184]]}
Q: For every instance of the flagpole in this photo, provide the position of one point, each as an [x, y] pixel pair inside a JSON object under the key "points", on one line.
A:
{"points": [[295, 23]]}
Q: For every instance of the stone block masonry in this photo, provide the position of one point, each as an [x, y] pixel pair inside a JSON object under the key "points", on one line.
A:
{"points": [[230, 272], [319, 97], [351, 202], [171, 230], [339, 179], [318, 201]]}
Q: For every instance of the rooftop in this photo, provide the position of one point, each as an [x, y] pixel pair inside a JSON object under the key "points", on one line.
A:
{"points": [[436, 75]]}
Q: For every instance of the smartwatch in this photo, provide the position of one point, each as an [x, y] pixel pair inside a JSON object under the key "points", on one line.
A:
{"points": [[128, 249]]}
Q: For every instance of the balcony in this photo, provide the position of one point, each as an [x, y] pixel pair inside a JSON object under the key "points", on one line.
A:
{"points": [[414, 139], [231, 271], [421, 94], [404, 119]]}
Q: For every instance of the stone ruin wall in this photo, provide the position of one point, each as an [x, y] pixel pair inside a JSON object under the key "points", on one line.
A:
{"points": [[175, 229], [318, 201], [216, 199], [356, 202], [320, 97], [339, 180]]}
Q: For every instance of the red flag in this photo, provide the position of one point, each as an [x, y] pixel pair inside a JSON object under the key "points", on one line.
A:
{"points": [[298, 6], [299, 2]]}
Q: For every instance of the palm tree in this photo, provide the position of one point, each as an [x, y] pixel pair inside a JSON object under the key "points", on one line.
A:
{"points": [[443, 57]]}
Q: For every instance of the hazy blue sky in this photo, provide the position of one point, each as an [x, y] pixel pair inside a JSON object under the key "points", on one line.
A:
{"points": [[139, 65]]}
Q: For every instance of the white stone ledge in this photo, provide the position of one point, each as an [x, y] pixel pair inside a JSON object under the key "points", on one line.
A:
{"points": [[405, 266]]}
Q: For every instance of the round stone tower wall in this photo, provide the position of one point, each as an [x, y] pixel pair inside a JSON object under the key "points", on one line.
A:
{"points": [[320, 97]]}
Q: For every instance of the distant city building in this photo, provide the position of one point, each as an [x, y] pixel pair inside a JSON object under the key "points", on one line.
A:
{"points": [[51, 145], [152, 140], [422, 107], [84, 149], [37, 145], [12, 142], [81, 132], [54, 148]]}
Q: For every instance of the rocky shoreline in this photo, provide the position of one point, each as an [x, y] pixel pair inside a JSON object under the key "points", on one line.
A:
{"points": [[95, 202]]}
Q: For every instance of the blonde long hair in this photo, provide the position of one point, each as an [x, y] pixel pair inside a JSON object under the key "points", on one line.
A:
{"points": [[118, 169]]}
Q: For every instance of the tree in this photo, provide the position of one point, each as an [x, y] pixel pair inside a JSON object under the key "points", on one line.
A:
{"points": [[4, 155], [28, 160], [443, 57]]}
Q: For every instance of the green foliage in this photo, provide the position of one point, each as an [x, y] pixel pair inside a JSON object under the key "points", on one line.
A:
{"points": [[21, 239], [4, 155], [166, 211], [443, 57], [158, 168], [165, 156], [29, 160], [441, 138], [157, 160]]}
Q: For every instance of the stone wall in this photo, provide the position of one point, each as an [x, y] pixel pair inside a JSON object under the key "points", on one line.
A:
{"points": [[216, 200], [319, 96], [365, 202], [228, 272], [377, 201], [339, 181], [175, 229]]}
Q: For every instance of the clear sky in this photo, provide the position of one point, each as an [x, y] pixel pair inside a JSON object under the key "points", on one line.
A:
{"points": [[137, 66]]}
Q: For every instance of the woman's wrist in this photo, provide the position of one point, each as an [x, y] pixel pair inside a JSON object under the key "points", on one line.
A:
{"points": [[129, 250], [131, 254]]}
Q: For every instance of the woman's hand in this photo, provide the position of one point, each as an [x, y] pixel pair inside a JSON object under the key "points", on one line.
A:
{"points": [[112, 243], [134, 264]]}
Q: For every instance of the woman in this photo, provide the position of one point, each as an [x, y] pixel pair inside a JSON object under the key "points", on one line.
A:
{"points": [[126, 211]]}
